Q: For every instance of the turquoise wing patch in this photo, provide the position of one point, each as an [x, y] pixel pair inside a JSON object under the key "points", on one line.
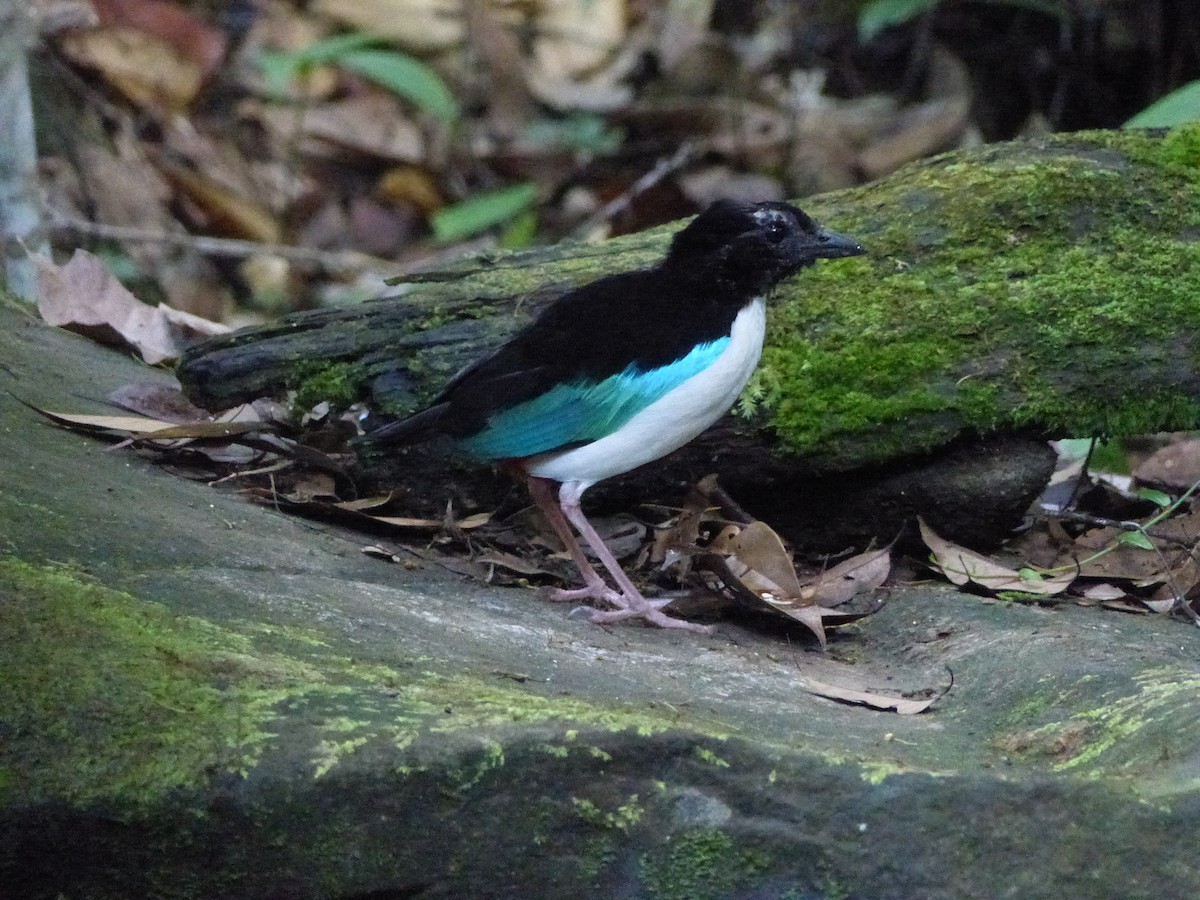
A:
{"points": [[583, 411]]}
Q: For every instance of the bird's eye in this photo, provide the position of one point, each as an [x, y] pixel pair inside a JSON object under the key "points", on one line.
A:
{"points": [[773, 224]]}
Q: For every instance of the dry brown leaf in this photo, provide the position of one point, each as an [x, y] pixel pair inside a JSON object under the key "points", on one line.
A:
{"points": [[902, 705], [364, 503], [512, 562], [124, 188], [576, 37], [961, 566], [153, 429], [145, 68], [1173, 467], [371, 122], [753, 562], [466, 524], [85, 297], [226, 212], [129, 424], [765, 564], [604, 92], [1104, 591], [191, 36], [849, 578], [157, 401], [1122, 562], [311, 486], [500, 62], [936, 124], [423, 26]]}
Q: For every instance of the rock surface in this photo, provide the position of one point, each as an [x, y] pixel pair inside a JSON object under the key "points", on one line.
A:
{"points": [[202, 698]]}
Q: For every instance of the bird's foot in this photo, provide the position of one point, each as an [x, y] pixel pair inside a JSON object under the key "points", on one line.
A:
{"points": [[597, 591], [628, 606], [649, 611]]}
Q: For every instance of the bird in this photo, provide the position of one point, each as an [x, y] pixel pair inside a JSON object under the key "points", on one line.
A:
{"points": [[620, 372]]}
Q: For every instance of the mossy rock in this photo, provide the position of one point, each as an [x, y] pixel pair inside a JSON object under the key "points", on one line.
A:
{"points": [[203, 698]]}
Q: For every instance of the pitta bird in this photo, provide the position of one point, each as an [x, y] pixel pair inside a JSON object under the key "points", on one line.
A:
{"points": [[623, 371]]}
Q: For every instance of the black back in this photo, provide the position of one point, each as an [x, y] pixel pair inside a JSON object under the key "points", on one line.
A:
{"points": [[727, 256]]}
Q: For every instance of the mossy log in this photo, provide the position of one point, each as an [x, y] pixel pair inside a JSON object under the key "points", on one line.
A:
{"points": [[1047, 288]]}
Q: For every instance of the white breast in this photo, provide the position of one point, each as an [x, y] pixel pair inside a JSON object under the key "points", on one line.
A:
{"points": [[674, 419]]}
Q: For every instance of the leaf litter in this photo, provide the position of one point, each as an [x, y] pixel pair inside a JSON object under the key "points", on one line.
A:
{"points": [[1147, 562]]}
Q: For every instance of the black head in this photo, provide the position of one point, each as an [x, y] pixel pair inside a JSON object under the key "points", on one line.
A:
{"points": [[751, 246]]}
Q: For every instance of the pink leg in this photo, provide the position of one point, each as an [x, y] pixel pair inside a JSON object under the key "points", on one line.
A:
{"points": [[633, 604], [594, 586]]}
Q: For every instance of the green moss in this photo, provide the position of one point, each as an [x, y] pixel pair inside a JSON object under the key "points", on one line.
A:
{"points": [[1160, 696], [701, 864], [111, 698], [1181, 146], [711, 758], [622, 818], [1080, 254], [339, 384], [599, 853]]}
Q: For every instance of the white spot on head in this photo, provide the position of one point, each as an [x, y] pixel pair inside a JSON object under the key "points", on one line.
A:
{"points": [[770, 217]]}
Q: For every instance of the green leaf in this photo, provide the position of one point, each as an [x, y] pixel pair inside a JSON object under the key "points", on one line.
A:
{"points": [[400, 73], [332, 49], [278, 70], [279, 67], [481, 212], [520, 232], [880, 14], [1156, 497], [1181, 105], [1136, 539], [1028, 574], [406, 76], [578, 131]]}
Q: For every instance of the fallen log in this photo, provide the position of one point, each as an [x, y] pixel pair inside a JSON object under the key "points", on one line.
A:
{"points": [[1013, 291]]}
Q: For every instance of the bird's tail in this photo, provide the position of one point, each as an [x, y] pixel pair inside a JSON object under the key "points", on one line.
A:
{"points": [[413, 430]]}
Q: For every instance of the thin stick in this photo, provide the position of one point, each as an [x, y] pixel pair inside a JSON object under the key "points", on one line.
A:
{"points": [[334, 260], [1123, 525], [685, 154]]}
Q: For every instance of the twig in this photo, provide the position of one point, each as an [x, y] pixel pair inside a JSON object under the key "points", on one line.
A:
{"points": [[1123, 525], [687, 151], [333, 260]]}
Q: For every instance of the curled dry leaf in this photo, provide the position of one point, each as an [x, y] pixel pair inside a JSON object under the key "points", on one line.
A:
{"points": [[902, 705], [849, 578], [141, 428], [962, 566], [757, 557], [85, 297], [753, 562]]}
